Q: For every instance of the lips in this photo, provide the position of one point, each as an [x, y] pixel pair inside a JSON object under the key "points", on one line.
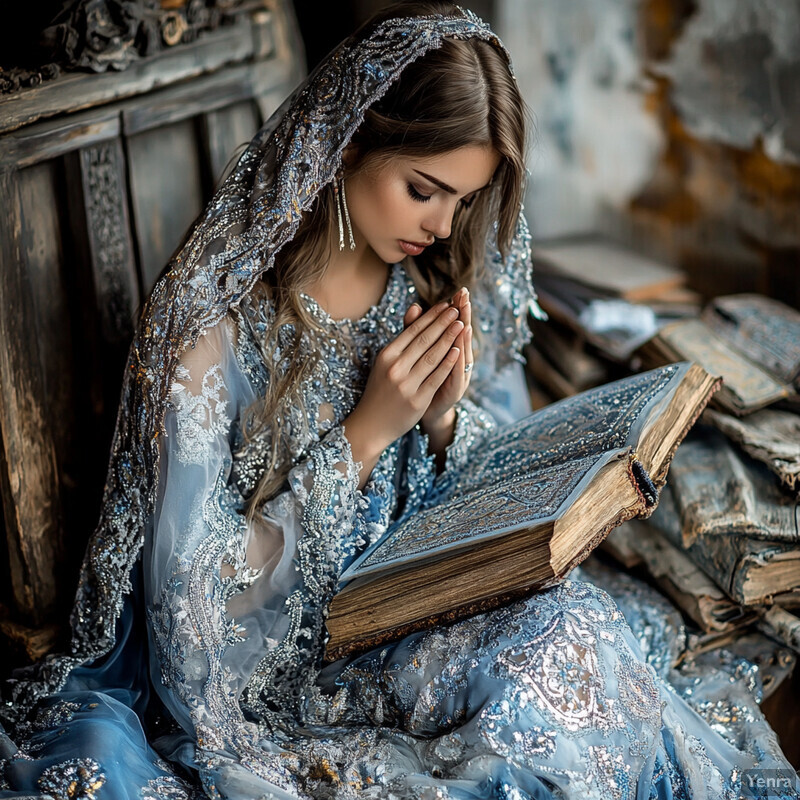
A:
{"points": [[412, 248]]}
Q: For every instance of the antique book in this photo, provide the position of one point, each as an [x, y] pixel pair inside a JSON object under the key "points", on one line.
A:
{"points": [[766, 331], [562, 349], [613, 325], [750, 571], [677, 576], [720, 491], [771, 436], [783, 625], [536, 498], [747, 385], [609, 268]]}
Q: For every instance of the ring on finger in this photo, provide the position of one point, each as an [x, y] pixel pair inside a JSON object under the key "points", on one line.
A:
{"points": [[467, 367]]}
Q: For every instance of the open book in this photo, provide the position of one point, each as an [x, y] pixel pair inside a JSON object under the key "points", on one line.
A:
{"points": [[538, 496]]}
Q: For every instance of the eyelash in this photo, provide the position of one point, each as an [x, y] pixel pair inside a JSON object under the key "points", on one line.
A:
{"points": [[416, 195]]}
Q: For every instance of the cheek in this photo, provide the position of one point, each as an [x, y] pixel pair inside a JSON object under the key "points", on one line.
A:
{"points": [[380, 205], [388, 201]]}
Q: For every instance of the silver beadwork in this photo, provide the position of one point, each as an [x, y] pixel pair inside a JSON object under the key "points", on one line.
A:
{"points": [[343, 197]]}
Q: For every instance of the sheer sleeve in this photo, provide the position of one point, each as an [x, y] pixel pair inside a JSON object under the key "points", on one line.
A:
{"points": [[226, 596]]}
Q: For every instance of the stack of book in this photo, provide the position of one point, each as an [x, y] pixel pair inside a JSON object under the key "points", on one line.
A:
{"points": [[734, 508], [603, 301], [586, 471], [724, 543]]}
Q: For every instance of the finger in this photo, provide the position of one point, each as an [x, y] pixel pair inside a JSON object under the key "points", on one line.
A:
{"points": [[404, 339], [430, 358], [432, 383], [427, 338], [465, 312], [459, 375], [469, 356], [413, 313]]}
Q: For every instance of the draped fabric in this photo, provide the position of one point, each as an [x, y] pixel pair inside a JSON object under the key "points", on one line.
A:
{"points": [[196, 666]]}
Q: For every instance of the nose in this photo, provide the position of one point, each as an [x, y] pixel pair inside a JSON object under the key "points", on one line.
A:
{"points": [[440, 221]]}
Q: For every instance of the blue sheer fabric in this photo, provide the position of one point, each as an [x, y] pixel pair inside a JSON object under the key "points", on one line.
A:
{"points": [[216, 684]]}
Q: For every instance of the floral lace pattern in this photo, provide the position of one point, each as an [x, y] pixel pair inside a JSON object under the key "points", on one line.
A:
{"points": [[202, 416]]}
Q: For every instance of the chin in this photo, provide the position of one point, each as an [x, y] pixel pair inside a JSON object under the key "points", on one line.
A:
{"points": [[391, 255]]}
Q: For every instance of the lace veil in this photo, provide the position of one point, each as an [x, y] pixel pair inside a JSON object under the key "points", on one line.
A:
{"points": [[254, 213]]}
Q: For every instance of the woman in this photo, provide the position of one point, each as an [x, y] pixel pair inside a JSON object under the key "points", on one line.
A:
{"points": [[297, 383]]}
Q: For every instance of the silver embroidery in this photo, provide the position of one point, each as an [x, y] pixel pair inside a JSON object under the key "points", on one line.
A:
{"points": [[74, 779], [166, 787]]}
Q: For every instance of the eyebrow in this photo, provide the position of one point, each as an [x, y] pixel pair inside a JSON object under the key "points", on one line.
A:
{"points": [[441, 184]]}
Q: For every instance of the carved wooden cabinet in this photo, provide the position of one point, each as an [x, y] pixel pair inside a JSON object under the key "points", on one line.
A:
{"points": [[100, 176]]}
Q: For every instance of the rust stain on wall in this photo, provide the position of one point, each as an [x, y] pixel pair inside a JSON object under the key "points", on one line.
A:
{"points": [[729, 215], [661, 23]]}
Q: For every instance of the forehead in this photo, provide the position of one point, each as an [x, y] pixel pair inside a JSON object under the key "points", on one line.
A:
{"points": [[465, 169]]}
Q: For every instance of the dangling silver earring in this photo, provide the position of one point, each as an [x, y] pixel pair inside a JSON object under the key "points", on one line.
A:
{"points": [[341, 206], [352, 243]]}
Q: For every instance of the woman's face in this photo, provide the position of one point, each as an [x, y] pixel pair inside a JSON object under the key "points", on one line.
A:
{"points": [[399, 207]]}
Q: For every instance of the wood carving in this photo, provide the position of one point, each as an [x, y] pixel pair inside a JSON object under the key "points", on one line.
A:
{"points": [[103, 35], [107, 225]]}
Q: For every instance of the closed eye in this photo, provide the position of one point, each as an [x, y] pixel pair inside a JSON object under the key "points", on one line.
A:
{"points": [[415, 194]]}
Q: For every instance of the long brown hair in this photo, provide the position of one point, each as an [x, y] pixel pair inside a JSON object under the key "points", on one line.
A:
{"points": [[460, 94]]}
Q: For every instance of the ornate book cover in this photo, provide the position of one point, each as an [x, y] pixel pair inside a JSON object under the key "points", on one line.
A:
{"points": [[538, 496], [527, 471]]}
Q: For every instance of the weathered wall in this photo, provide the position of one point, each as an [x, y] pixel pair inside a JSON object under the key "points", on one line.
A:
{"points": [[671, 124]]}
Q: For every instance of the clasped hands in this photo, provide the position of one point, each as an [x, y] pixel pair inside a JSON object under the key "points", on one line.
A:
{"points": [[417, 377]]}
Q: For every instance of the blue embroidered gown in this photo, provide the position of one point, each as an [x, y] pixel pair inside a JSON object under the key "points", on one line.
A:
{"points": [[216, 682]]}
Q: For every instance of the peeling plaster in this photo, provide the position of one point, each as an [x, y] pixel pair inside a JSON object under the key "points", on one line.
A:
{"points": [[579, 67], [735, 75]]}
